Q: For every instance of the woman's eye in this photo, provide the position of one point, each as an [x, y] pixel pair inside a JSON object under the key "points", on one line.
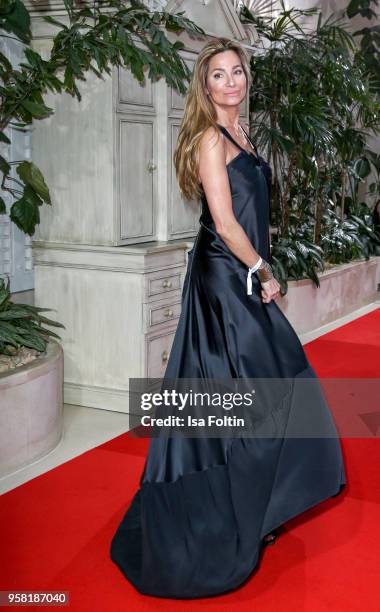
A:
{"points": [[219, 74]]}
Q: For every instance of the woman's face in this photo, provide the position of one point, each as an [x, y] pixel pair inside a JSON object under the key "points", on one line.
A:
{"points": [[226, 80]]}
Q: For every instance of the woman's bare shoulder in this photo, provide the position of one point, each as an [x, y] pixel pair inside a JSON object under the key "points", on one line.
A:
{"points": [[210, 138]]}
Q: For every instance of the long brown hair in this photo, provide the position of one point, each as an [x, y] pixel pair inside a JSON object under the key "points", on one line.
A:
{"points": [[199, 114]]}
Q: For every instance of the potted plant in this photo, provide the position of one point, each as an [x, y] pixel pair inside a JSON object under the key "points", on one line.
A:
{"points": [[31, 374], [315, 132]]}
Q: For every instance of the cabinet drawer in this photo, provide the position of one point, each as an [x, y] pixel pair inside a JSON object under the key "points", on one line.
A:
{"points": [[163, 313], [158, 351], [158, 285]]}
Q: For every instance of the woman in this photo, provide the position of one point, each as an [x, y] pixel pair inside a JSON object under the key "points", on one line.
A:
{"points": [[206, 506]]}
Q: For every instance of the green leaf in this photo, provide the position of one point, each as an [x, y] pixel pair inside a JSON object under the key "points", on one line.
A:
{"points": [[4, 295], [280, 267], [25, 214], [17, 312], [53, 21], [313, 276], [32, 196], [9, 338], [38, 111], [68, 80], [19, 126], [51, 322], [4, 138], [291, 254], [68, 5], [31, 175], [8, 333], [34, 309], [34, 341], [3, 207], [16, 20], [4, 166], [34, 58], [49, 332], [5, 62], [178, 45]]}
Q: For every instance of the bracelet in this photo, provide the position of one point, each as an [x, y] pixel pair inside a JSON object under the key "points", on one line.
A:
{"points": [[265, 272], [249, 275]]}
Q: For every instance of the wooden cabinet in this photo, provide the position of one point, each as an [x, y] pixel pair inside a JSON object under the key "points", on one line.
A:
{"points": [[120, 308], [148, 202]]}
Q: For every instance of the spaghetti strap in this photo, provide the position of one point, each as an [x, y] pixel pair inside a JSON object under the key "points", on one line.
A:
{"points": [[249, 138], [226, 132]]}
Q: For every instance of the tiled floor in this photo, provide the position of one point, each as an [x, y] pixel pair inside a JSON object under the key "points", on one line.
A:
{"points": [[85, 428]]}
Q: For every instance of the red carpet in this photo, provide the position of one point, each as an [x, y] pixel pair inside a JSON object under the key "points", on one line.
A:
{"points": [[56, 529]]}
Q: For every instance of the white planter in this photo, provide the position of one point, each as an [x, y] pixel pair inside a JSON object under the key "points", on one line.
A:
{"points": [[343, 289], [31, 410]]}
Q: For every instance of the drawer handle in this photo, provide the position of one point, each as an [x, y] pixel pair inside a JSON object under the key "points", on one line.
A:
{"points": [[167, 283], [151, 166], [164, 356], [168, 313]]}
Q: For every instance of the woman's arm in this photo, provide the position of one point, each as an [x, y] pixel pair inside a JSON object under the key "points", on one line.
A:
{"points": [[214, 177]]}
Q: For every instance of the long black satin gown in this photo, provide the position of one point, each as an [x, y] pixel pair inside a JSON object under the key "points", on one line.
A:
{"points": [[196, 525]]}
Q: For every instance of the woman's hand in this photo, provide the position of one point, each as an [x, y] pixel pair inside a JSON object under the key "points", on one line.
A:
{"points": [[270, 289]]}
